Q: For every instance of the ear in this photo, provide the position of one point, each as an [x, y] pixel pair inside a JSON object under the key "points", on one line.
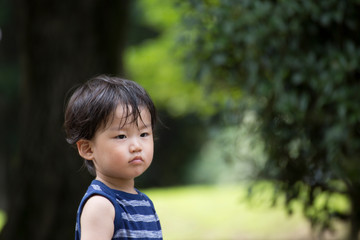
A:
{"points": [[85, 149]]}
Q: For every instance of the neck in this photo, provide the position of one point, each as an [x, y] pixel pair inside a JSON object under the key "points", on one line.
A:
{"points": [[121, 185]]}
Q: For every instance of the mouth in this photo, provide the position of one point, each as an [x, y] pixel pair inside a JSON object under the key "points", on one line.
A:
{"points": [[136, 160]]}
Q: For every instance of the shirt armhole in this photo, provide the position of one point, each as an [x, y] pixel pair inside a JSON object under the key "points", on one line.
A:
{"points": [[98, 214]]}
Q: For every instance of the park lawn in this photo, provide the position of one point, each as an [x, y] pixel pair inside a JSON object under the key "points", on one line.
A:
{"points": [[223, 212], [2, 219]]}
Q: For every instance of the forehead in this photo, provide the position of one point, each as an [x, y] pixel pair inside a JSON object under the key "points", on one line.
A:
{"points": [[124, 114]]}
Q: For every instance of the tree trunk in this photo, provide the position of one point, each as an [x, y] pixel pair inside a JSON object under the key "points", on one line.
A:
{"points": [[61, 44], [355, 217]]}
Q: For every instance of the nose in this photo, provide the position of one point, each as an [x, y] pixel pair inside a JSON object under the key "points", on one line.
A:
{"points": [[135, 146]]}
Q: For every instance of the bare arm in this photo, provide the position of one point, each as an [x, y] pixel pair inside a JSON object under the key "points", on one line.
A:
{"points": [[97, 219]]}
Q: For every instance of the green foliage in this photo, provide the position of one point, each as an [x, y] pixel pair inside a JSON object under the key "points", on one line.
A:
{"points": [[299, 60], [156, 64], [152, 65], [231, 154], [162, 18]]}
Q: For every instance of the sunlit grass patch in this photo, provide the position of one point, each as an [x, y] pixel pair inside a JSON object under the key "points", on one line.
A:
{"points": [[2, 219], [223, 212]]}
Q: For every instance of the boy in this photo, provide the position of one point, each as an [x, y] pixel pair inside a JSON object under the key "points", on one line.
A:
{"points": [[111, 122]]}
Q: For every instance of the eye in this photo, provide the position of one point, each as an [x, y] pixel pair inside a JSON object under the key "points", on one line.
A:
{"points": [[121, 136], [145, 134]]}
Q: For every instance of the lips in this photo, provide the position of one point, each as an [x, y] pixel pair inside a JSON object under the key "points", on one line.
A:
{"points": [[136, 160]]}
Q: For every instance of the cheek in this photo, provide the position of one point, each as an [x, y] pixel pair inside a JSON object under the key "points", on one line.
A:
{"points": [[150, 150], [115, 155]]}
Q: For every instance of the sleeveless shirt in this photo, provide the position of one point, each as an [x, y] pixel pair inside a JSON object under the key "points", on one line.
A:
{"points": [[135, 215]]}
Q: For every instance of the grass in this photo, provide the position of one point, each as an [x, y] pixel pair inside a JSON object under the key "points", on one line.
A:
{"points": [[222, 212], [2, 219]]}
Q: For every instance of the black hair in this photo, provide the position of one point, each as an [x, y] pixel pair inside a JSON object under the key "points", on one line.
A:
{"points": [[93, 105]]}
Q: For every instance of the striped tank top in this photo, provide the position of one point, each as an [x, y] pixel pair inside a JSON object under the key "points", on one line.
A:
{"points": [[135, 216]]}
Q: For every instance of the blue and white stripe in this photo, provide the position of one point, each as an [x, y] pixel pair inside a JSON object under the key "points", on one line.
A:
{"points": [[135, 216], [133, 203], [139, 217], [127, 233]]}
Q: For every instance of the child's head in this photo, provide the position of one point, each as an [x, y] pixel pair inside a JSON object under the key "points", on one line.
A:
{"points": [[92, 107]]}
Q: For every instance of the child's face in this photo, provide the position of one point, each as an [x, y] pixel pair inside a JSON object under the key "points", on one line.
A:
{"points": [[123, 151]]}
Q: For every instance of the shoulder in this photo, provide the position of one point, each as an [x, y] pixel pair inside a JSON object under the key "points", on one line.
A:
{"points": [[97, 218], [99, 203], [98, 193]]}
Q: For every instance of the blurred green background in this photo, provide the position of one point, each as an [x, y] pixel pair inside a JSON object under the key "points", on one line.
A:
{"points": [[258, 102]]}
